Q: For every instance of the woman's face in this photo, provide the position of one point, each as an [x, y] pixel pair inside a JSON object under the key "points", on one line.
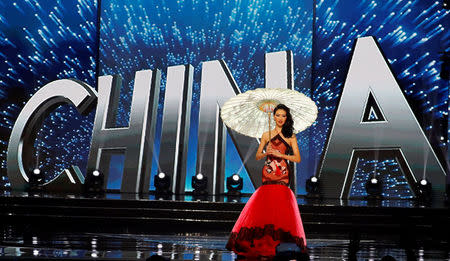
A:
{"points": [[280, 117]]}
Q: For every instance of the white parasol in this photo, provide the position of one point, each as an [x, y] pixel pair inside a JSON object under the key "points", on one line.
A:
{"points": [[249, 113]]}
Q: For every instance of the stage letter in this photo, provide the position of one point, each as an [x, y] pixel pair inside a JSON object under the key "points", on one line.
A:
{"points": [[217, 86], [373, 115], [44, 101], [134, 141], [175, 125]]}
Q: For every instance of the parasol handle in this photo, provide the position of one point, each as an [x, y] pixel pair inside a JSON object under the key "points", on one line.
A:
{"points": [[268, 114]]}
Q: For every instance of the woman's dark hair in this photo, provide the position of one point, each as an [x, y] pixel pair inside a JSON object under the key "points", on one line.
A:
{"points": [[288, 127]]}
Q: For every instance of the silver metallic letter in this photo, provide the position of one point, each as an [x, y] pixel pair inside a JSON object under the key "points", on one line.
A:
{"points": [[43, 102], [217, 87], [175, 125], [279, 70], [373, 114], [134, 140]]}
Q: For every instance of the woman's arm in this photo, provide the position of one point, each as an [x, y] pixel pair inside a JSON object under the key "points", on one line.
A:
{"points": [[259, 152], [296, 157]]}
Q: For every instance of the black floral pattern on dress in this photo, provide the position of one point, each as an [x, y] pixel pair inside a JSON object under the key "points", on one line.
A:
{"points": [[249, 234]]}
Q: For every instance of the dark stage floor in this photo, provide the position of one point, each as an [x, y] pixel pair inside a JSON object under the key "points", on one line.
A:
{"points": [[192, 246], [130, 227]]}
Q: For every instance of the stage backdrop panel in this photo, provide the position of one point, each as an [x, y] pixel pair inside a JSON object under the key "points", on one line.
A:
{"points": [[138, 35], [411, 34], [42, 41]]}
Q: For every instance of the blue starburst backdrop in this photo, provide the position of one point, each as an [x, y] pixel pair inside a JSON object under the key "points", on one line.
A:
{"points": [[41, 41], [139, 35], [411, 35], [388, 171]]}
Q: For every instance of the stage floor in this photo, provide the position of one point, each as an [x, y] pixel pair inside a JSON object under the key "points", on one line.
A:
{"points": [[196, 246], [134, 227]]}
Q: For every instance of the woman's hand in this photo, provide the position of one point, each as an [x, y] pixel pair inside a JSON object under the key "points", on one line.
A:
{"points": [[273, 152]]}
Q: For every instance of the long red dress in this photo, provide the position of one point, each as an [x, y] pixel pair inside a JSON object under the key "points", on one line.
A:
{"points": [[271, 215]]}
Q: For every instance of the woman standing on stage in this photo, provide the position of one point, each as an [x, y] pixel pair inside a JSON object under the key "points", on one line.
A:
{"points": [[271, 215]]}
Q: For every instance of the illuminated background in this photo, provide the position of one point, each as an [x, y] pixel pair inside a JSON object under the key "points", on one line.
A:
{"points": [[139, 35], [411, 34], [41, 42]]}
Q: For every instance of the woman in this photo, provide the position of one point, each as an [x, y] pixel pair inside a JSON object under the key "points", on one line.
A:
{"points": [[271, 215]]}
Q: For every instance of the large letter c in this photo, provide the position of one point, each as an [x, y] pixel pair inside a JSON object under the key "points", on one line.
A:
{"points": [[43, 102]]}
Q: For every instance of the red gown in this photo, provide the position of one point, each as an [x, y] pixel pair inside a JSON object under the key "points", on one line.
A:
{"points": [[271, 215]]}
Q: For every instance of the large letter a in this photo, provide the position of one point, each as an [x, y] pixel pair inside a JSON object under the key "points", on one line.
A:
{"points": [[374, 116]]}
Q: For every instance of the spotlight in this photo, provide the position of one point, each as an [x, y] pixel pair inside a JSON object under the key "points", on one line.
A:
{"points": [[94, 182], [234, 184], [36, 179], [423, 190], [37, 176], [312, 187], [199, 183], [162, 184], [374, 188]]}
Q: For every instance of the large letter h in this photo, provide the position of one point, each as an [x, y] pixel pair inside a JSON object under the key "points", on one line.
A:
{"points": [[135, 140]]}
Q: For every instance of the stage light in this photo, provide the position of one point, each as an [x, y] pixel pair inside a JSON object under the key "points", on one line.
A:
{"points": [[36, 179], [94, 182], [162, 184], [423, 190], [312, 187], [97, 178], [234, 184], [199, 183], [374, 187]]}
